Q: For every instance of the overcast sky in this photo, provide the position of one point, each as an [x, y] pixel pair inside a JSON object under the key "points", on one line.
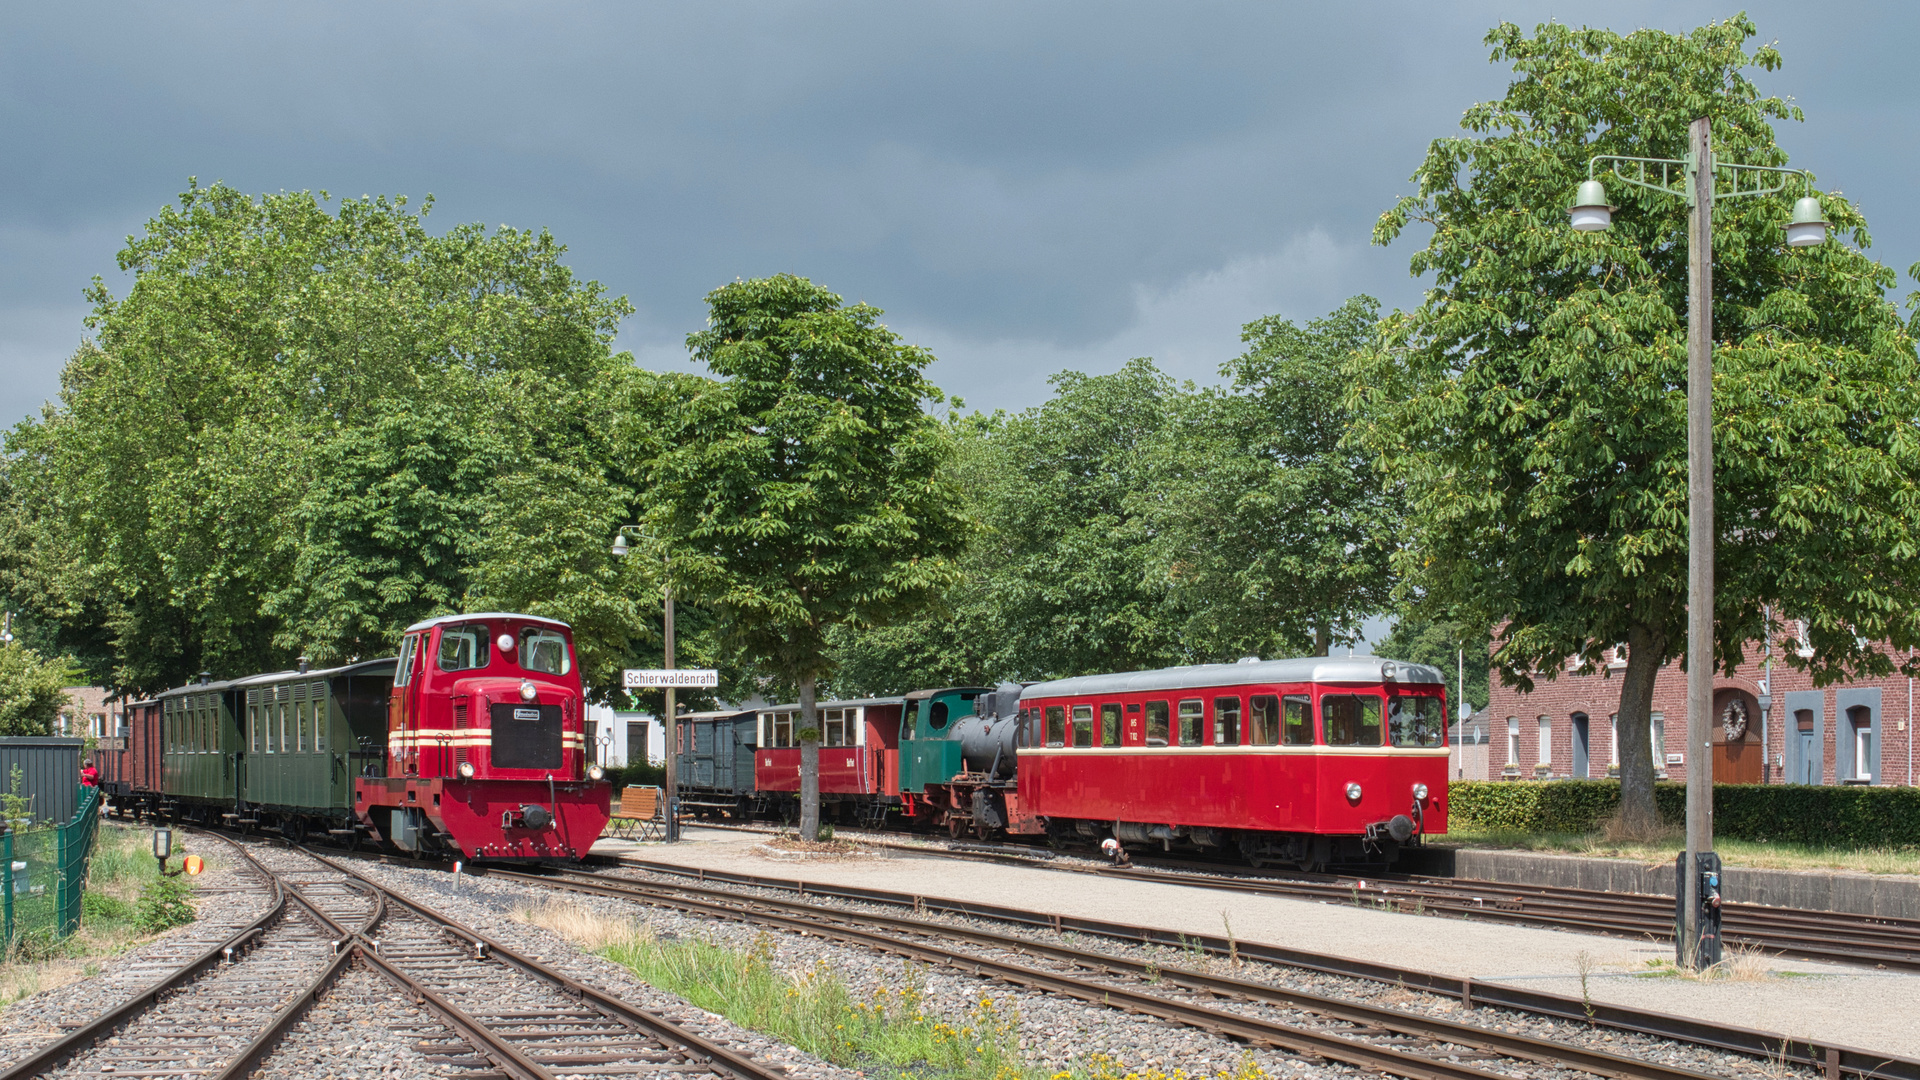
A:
{"points": [[1023, 187]]}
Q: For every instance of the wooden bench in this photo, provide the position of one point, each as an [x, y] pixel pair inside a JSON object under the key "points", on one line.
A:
{"points": [[642, 814]]}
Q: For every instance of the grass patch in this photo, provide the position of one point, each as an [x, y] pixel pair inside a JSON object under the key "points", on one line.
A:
{"points": [[817, 1012], [1742, 853], [127, 902]]}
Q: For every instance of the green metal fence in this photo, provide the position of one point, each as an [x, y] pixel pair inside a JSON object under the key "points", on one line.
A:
{"points": [[47, 877]]}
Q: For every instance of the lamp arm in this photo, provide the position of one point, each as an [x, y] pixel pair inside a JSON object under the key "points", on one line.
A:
{"points": [[1666, 185]]}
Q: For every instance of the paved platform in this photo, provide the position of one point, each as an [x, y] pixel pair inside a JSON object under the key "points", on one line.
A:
{"points": [[1869, 1010]]}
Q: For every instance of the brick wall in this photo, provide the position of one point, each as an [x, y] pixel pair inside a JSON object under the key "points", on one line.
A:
{"points": [[1881, 710]]}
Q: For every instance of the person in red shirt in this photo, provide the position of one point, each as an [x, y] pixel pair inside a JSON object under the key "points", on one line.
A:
{"points": [[89, 775]]}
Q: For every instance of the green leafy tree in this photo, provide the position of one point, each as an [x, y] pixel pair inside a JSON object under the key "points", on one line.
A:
{"points": [[1536, 415], [33, 690], [296, 430], [803, 490], [1271, 530]]}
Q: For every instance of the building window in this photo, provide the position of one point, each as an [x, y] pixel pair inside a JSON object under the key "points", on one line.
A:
{"points": [[1613, 740], [1513, 741], [1861, 718], [1657, 727], [1546, 740]]}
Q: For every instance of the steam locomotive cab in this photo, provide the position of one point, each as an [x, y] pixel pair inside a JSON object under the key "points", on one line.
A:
{"points": [[486, 750]]}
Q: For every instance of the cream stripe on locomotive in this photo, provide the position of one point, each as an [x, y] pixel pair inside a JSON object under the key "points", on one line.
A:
{"points": [[1301, 751]]}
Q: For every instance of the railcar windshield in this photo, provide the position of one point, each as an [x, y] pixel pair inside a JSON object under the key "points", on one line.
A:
{"points": [[1416, 721], [1351, 719], [465, 647], [545, 650]]}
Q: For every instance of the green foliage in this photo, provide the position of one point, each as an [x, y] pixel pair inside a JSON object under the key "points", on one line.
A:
{"points": [[805, 490], [163, 905], [1535, 413], [96, 906], [32, 690], [1816, 816], [1440, 644], [1270, 531], [296, 432]]}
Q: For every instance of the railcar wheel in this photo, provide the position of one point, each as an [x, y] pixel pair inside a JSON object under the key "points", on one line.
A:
{"points": [[955, 826]]}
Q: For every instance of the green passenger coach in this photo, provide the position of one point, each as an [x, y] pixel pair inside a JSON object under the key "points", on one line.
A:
{"points": [[202, 744], [307, 734]]}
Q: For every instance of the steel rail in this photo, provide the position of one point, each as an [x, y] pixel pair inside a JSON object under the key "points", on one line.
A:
{"points": [[1836, 1059], [83, 1038], [694, 1045], [807, 918]]}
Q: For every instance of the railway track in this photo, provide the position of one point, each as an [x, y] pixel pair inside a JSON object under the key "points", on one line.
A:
{"points": [[502, 1016], [1832, 937], [1352, 1032]]}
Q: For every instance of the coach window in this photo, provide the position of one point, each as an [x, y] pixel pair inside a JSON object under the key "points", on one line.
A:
{"points": [[319, 697], [1263, 714], [1226, 721], [465, 647], [1192, 720], [783, 729], [1415, 721], [1351, 719], [1299, 709], [1110, 724], [1157, 723], [1056, 725], [1083, 725], [833, 724], [286, 728]]}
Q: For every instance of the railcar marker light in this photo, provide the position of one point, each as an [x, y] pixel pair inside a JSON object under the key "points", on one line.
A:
{"points": [[1353, 792], [527, 691], [1420, 792], [466, 770]]}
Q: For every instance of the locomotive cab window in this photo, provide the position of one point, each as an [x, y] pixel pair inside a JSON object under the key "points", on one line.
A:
{"points": [[1263, 714], [544, 651], [1056, 725], [1351, 719], [463, 648], [1226, 721], [1192, 720], [1299, 710], [1416, 721], [403, 672], [1110, 725], [937, 716], [1083, 725], [1157, 723]]}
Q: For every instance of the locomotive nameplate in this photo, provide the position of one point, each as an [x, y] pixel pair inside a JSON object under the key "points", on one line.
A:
{"points": [[675, 678], [526, 714]]}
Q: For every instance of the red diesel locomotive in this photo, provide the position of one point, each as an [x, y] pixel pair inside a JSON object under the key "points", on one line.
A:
{"points": [[1308, 761], [486, 744]]}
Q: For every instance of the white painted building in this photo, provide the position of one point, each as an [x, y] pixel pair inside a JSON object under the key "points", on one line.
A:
{"points": [[620, 736]]}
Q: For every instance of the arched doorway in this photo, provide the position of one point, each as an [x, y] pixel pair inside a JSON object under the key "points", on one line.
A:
{"points": [[1736, 737]]}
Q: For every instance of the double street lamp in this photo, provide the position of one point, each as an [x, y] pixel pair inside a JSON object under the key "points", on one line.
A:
{"points": [[1692, 178]]}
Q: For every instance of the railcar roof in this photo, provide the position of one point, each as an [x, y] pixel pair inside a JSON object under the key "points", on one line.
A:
{"points": [[717, 714], [473, 615], [1303, 669], [922, 695], [845, 704], [273, 677]]}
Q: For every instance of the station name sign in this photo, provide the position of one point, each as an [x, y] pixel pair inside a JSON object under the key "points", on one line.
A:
{"points": [[673, 678]]}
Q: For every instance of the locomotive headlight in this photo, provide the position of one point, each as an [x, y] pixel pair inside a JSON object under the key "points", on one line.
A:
{"points": [[1353, 792], [595, 772], [1420, 792], [466, 770], [527, 691]]}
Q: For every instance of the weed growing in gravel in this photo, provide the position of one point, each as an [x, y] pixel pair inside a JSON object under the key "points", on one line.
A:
{"points": [[1102, 1067], [1739, 964]]}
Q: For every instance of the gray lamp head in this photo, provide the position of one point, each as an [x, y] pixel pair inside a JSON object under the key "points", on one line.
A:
{"points": [[1590, 212], [1808, 227], [620, 543]]}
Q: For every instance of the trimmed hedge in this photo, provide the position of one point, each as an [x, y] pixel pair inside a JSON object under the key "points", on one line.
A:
{"points": [[1852, 817], [622, 775]]}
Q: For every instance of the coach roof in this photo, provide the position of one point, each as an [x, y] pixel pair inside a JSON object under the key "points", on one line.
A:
{"points": [[1304, 669]]}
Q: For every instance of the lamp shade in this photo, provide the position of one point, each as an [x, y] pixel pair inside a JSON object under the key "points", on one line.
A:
{"points": [[1808, 227], [1590, 212], [620, 543]]}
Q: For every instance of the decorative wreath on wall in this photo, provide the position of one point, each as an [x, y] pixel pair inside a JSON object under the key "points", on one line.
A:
{"points": [[1733, 719]]}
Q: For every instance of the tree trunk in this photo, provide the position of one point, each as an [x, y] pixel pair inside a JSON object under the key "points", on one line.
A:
{"points": [[809, 763], [1322, 638], [1645, 652]]}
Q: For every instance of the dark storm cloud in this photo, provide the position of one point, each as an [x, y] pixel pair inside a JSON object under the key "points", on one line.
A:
{"points": [[1023, 187]]}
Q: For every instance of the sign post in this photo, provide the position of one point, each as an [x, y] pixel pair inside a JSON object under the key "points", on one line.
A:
{"points": [[669, 679]]}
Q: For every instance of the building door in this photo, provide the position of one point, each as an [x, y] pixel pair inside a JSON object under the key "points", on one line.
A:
{"points": [[1580, 745], [1808, 763]]}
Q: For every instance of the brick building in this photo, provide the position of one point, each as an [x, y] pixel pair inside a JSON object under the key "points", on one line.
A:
{"points": [[1771, 725]]}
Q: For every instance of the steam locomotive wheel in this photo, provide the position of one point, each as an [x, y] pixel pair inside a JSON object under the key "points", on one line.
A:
{"points": [[956, 826]]}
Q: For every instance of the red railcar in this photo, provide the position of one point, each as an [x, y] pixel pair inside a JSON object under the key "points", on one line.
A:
{"points": [[486, 744], [859, 759], [129, 760], [1306, 761]]}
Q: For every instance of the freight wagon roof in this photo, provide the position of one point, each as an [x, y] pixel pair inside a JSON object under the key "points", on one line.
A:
{"points": [[477, 615], [1304, 669]]}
